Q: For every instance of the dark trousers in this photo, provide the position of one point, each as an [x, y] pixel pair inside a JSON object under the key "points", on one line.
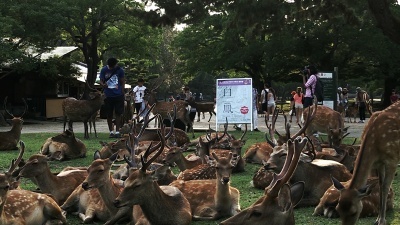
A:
{"points": [[308, 101], [361, 110]]}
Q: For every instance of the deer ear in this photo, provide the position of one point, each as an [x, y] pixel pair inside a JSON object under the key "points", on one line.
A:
{"points": [[297, 192], [96, 155], [284, 199], [113, 157], [210, 161], [337, 184], [235, 159]]}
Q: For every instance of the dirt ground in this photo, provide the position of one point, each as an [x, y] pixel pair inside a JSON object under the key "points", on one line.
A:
{"points": [[56, 126]]}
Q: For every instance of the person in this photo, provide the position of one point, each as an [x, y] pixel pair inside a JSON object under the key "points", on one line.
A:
{"points": [[309, 80], [298, 103], [138, 92], [361, 101], [292, 108], [394, 97], [339, 96], [112, 79], [188, 96], [264, 99], [201, 97], [255, 112], [271, 102]]}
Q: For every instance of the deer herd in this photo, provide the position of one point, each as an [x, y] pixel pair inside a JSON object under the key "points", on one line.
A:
{"points": [[130, 180]]}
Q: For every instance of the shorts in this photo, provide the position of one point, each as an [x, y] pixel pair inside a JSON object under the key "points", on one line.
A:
{"points": [[138, 106], [308, 101], [114, 104], [298, 105], [264, 106]]}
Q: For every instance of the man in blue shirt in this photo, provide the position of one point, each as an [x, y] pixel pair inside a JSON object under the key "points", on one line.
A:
{"points": [[112, 79]]}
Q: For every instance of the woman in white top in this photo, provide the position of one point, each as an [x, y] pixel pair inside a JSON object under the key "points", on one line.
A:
{"points": [[270, 103]]}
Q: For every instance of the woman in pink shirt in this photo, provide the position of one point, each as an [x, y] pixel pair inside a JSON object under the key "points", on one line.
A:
{"points": [[298, 103]]}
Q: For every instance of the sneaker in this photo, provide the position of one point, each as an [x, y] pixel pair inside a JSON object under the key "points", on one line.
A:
{"points": [[360, 121], [117, 135], [112, 135], [256, 129]]}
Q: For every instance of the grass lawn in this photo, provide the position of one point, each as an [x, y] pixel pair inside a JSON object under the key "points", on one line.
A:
{"points": [[241, 181]]}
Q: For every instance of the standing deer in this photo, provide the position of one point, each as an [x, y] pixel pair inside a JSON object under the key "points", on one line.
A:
{"points": [[9, 139], [25, 207], [63, 146], [82, 110], [163, 108], [212, 199], [59, 186], [202, 107], [380, 150], [279, 200]]}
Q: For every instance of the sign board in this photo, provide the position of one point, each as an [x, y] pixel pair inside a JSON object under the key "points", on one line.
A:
{"points": [[329, 88], [234, 101]]}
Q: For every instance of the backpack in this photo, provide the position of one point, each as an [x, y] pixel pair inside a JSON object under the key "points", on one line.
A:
{"points": [[319, 89]]}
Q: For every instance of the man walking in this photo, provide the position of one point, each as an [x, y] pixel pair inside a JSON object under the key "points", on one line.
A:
{"points": [[112, 79]]}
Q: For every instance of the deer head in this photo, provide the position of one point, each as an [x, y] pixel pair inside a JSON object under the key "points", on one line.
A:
{"points": [[277, 205], [223, 166]]}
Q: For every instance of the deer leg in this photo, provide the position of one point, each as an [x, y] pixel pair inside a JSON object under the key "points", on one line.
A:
{"points": [[52, 212], [386, 176], [204, 116], [70, 125], [86, 128], [88, 216], [198, 117], [205, 213], [94, 128], [210, 116], [121, 215]]}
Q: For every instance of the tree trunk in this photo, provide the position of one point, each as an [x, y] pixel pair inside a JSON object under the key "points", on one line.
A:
{"points": [[386, 21], [390, 83]]}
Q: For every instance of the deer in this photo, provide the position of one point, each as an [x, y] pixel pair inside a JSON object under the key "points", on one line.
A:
{"points": [[9, 139], [258, 152], [280, 198], [175, 155], [23, 206], [380, 150], [60, 186], [162, 205], [202, 107], [63, 146], [82, 110], [327, 121], [163, 108], [329, 201], [213, 199], [352, 112]]}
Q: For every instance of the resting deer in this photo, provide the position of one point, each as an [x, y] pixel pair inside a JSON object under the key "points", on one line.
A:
{"points": [[175, 155], [9, 139], [276, 206], [327, 121], [64, 146], [380, 150], [25, 207], [163, 108], [59, 186], [213, 199], [329, 201], [162, 205]]}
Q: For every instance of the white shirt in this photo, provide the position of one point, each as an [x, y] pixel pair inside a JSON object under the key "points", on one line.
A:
{"points": [[139, 93]]}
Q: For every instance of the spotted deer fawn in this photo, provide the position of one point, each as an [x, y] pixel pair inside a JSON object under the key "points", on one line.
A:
{"points": [[25, 207], [380, 150]]}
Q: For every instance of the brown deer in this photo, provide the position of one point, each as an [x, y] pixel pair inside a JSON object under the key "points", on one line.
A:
{"points": [[329, 201], [380, 150], [59, 186], [162, 205], [175, 155], [9, 139], [25, 207], [213, 199], [277, 205], [352, 112], [327, 121], [82, 110], [163, 108], [63, 146], [202, 107], [258, 152]]}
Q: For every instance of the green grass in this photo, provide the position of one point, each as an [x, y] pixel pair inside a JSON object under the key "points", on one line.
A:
{"points": [[241, 181]]}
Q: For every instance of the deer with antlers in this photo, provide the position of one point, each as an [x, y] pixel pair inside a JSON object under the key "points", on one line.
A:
{"points": [[25, 207], [9, 139], [280, 198], [380, 150], [213, 199], [60, 186], [163, 108], [161, 205], [327, 204]]}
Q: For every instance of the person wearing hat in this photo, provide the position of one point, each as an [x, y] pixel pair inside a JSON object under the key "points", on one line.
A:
{"points": [[361, 100]]}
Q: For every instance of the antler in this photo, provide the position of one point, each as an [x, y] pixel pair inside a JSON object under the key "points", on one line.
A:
{"points": [[289, 166], [271, 128], [15, 162], [146, 164], [5, 107], [245, 131]]}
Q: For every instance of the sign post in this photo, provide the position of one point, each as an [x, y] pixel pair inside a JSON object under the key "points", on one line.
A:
{"points": [[234, 101]]}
